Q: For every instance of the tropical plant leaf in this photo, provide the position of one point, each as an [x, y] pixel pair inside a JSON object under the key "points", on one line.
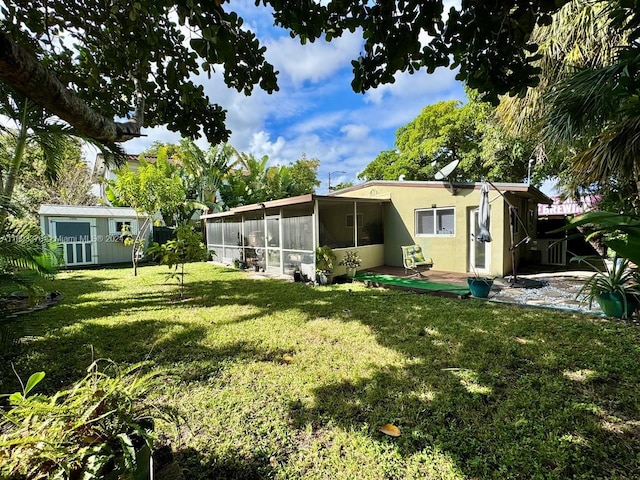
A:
{"points": [[34, 379]]}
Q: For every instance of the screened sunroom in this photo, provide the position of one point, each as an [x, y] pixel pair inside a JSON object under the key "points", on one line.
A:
{"points": [[280, 237]]}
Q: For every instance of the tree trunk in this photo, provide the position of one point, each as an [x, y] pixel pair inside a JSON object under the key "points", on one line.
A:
{"points": [[12, 173], [24, 73]]}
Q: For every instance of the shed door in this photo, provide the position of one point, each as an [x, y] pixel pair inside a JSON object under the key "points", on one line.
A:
{"points": [[78, 240]]}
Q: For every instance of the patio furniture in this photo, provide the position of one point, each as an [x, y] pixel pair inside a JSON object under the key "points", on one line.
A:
{"points": [[413, 259]]}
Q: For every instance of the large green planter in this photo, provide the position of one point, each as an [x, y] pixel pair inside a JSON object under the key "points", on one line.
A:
{"points": [[612, 304], [480, 287]]}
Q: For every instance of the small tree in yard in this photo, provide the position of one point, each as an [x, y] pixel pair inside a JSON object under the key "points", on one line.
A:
{"points": [[186, 247], [147, 191]]}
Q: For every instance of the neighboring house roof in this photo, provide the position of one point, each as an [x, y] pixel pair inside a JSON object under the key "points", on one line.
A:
{"points": [[283, 202], [522, 189], [100, 168], [88, 211]]}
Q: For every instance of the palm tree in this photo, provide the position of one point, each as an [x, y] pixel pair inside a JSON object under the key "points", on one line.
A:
{"points": [[579, 36], [207, 169], [582, 36], [600, 106], [35, 126]]}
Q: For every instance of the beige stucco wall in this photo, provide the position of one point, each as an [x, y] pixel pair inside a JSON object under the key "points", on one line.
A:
{"points": [[371, 255], [449, 253]]}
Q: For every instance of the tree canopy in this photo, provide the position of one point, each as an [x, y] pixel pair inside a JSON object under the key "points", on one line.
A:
{"points": [[90, 62], [448, 131], [253, 181]]}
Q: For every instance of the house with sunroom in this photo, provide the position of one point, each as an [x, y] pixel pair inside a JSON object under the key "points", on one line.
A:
{"points": [[376, 218]]}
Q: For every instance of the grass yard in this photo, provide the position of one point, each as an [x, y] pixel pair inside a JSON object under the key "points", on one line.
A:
{"points": [[478, 390]]}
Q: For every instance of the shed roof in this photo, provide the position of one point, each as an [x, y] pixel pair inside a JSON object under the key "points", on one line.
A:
{"points": [[88, 211]]}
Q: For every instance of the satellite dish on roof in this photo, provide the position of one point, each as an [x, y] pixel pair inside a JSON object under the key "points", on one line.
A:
{"points": [[447, 170]]}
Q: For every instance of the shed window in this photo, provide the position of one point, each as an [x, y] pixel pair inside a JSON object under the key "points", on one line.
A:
{"points": [[435, 221], [116, 225]]}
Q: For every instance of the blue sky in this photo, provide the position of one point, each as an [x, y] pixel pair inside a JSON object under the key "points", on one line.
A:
{"points": [[315, 111]]}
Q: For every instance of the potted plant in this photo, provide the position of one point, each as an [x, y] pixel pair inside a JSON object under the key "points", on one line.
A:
{"points": [[479, 286], [615, 288], [351, 261], [324, 264]]}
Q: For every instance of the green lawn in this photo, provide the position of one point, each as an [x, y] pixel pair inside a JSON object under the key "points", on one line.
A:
{"points": [[478, 390]]}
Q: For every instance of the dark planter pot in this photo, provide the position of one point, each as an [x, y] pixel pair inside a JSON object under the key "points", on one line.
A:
{"points": [[480, 287], [324, 278], [612, 305]]}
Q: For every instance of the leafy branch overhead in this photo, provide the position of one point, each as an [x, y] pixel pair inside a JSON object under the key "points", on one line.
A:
{"points": [[90, 62]]}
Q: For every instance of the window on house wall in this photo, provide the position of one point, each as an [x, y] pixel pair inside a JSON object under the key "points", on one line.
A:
{"points": [[435, 221], [116, 226]]}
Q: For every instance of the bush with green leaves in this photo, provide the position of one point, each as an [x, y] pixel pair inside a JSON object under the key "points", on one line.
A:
{"points": [[23, 248], [101, 427]]}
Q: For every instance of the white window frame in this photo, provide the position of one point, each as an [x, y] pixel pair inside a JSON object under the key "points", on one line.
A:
{"points": [[434, 210], [131, 221]]}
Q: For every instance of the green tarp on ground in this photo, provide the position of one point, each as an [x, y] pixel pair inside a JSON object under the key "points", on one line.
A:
{"points": [[412, 283]]}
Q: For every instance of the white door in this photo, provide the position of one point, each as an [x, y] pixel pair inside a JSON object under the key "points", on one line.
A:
{"points": [[479, 252], [274, 252], [78, 240]]}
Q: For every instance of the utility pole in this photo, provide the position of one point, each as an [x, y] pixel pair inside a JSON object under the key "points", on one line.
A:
{"points": [[331, 173]]}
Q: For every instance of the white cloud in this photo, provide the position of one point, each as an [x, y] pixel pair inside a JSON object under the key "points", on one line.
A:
{"points": [[314, 61], [355, 132], [262, 145], [415, 86], [315, 112]]}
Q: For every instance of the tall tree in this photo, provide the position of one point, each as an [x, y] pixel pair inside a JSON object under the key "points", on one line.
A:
{"points": [[448, 131], [304, 175], [584, 36], [253, 181], [29, 125], [148, 190], [115, 55], [204, 171], [72, 185], [247, 183], [596, 110]]}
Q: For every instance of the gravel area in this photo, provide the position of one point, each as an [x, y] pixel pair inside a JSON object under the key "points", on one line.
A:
{"points": [[545, 290]]}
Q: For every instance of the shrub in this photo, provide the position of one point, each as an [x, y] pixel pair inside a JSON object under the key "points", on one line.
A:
{"points": [[102, 427]]}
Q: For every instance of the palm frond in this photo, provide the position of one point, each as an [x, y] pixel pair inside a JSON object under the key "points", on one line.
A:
{"points": [[615, 153], [22, 247], [581, 35], [582, 104]]}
